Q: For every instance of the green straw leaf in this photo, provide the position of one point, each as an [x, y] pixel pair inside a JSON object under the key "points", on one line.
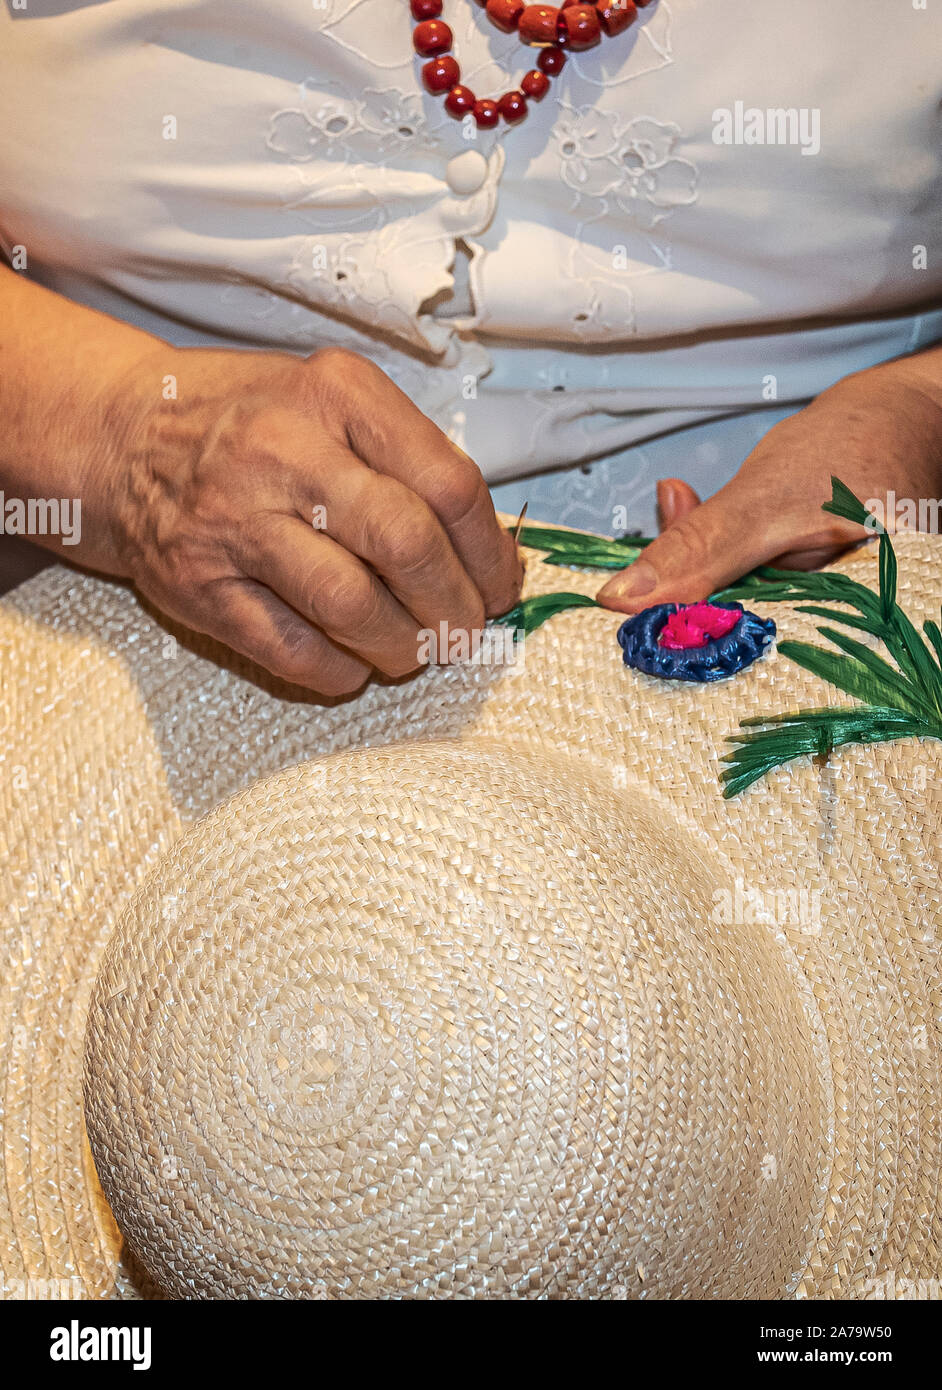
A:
{"points": [[908, 696], [895, 703], [849, 675], [845, 504], [795, 586], [931, 630], [888, 572], [576, 550], [533, 612], [835, 614], [813, 732], [911, 654]]}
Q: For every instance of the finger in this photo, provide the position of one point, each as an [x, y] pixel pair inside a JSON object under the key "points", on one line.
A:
{"points": [[338, 593], [808, 559], [394, 438], [675, 499], [250, 619], [395, 532], [718, 542], [488, 552], [706, 548]]}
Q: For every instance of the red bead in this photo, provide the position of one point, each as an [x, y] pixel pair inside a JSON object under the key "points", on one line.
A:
{"points": [[538, 24], [505, 13], [513, 107], [551, 61], [617, 15], [486, 113], [441, 74], [431, 37], [459, 101], [535, 84], [425, 9], [580, 23]]}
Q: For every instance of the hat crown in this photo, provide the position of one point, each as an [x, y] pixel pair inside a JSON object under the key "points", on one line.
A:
{"points": [[448, 1020]]}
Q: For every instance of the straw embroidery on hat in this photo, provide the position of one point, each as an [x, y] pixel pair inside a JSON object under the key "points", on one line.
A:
{"points": [[471, 987]]}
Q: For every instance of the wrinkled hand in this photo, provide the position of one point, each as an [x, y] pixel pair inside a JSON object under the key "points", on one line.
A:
{"points": [[303, 511], [876, 431]]}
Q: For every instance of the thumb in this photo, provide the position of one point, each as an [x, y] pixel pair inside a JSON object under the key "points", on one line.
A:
{"points": [[702, 548], [675, 499]]}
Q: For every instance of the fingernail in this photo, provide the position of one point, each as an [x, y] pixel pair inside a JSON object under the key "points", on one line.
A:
{"points": [[665, 503], [639, 579]]}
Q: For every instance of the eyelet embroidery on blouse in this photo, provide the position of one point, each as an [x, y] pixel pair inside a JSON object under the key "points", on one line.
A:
{"points": [[396, 117], [331, 122], [623, 173], [630, 164], [325, 115]]}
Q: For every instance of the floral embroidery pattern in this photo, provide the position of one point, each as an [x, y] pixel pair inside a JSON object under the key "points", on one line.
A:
{"points": [[396, 117], [328, 119], [685, 660], [631, 164], [622, 173]]}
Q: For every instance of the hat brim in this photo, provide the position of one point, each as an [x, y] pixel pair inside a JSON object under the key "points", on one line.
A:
{"points": [[118, 734]]}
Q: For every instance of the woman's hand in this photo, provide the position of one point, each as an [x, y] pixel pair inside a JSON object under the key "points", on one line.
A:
{"points": [[878, 431], [304, 512]]}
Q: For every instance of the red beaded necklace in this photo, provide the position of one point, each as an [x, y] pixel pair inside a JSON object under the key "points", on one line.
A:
{"points": [[576, 24]]}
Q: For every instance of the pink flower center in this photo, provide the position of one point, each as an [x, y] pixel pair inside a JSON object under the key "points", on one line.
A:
{"points": [[696, 624]]}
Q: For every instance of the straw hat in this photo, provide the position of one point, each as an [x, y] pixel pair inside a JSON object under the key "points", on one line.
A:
{"points": [[474, 986]]}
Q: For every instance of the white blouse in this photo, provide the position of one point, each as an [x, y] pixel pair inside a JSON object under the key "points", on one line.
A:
{"points": [[274, 174]]}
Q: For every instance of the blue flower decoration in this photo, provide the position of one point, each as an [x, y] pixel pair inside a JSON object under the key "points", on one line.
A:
{"points": [[718, 658]]}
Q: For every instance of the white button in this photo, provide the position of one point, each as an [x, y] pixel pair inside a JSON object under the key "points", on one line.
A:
{"points": [[466, 172]]}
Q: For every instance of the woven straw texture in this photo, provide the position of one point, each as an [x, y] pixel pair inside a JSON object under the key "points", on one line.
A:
{"points": [[739, 1101], [431, 1021]]}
